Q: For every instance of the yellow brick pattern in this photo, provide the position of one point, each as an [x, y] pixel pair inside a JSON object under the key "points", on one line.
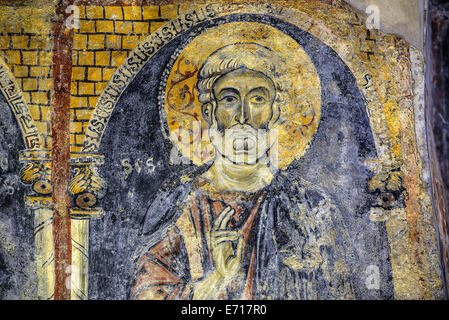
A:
{"points": [[105, 38], [26, 46]]}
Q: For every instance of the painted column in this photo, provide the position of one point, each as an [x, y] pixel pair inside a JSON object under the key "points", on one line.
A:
{"points": [[85, 188], [36, 173]]}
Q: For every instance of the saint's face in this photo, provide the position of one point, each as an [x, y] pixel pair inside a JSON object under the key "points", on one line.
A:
{"points": [[244, 100], [244, 97]]}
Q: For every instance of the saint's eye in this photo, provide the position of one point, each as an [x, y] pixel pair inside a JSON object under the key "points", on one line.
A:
{"points": [[229, 99], [257, 99]]}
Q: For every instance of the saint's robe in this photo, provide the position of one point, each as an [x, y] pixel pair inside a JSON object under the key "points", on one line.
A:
{"points": [[296, 246]]}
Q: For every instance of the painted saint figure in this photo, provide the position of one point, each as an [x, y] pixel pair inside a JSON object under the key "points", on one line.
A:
{"points": [[243, 229]]}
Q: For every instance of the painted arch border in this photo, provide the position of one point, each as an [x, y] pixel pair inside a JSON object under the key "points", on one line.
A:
{"points": [[14, 96]]}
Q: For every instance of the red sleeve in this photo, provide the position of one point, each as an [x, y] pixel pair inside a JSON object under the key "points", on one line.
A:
{"points": [[163, 272]]}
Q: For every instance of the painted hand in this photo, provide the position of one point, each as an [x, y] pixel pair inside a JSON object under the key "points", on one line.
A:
{"points": [[227, 260]]}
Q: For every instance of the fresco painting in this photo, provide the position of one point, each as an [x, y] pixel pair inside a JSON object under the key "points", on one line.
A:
{"points": [[230, 150]]}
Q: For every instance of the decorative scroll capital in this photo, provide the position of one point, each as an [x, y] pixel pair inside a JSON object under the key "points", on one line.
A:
{"points": [[36, 173], [388, 187], [86, 186]]}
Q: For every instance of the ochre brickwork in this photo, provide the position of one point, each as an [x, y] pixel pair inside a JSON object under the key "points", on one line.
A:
{"points": [[105, 38], [26, 46]]}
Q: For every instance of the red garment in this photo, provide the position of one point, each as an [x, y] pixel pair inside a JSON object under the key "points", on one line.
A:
{"points": [[160, 272]]}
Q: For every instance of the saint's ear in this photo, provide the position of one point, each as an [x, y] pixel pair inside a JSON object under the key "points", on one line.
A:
{"points": [[207, 112]]}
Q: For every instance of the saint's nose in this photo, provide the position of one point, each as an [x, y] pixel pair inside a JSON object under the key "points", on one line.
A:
{"points": [[241, 116]]}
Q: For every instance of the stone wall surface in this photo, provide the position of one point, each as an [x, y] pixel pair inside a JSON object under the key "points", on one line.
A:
{"points": [[404, 18]]}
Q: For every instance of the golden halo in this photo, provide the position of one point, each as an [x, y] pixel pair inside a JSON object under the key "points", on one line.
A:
{"points": [[188, 131]]}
